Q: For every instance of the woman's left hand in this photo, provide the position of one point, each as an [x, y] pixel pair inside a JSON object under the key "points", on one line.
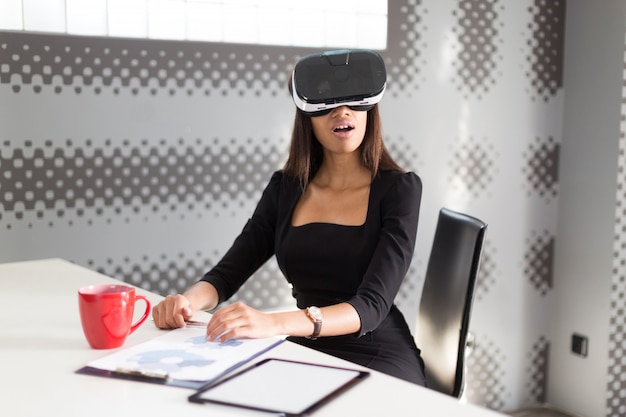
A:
{"points": [[239, 320]]}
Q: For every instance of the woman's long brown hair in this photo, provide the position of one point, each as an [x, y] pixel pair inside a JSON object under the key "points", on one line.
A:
{"points": [[306, 153]]}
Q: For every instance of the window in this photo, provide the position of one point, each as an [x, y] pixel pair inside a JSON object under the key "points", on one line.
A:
{"points": [[322, 23]]}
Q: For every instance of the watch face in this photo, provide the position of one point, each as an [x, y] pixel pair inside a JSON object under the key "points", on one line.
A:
{"points": [[315, 312]]}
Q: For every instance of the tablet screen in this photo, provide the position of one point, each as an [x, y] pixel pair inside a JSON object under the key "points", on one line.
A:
{"points": [[280, 386]]}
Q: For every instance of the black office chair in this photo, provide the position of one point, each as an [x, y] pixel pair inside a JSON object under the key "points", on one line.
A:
{"points": [[446, 303]]}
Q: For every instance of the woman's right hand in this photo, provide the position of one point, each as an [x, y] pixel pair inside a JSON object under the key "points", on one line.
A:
{"points": [[172, 312]]}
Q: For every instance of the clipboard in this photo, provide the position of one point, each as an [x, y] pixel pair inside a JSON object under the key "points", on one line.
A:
{"points": [[280, 386], [155, 378], [180, 358]]}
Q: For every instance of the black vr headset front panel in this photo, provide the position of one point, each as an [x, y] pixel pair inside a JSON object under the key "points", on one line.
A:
{"points": [[339, 77]]}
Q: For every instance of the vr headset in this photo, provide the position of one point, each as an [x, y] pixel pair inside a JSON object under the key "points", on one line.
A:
{"points": [[324, 81]]}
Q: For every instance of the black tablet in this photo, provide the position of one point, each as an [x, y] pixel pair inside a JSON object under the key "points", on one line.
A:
{"points": [[281, 386]]}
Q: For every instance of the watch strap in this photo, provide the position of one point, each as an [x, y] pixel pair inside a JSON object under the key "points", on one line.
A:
{"points": [[317, 325]]}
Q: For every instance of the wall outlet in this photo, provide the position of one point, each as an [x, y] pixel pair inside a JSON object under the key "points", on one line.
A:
{"points": [[580, 344]]}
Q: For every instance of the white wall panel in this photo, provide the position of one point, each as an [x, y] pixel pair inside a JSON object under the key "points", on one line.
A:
{"points": [[44, 15], [205, 21], [167, 19], [11, 16], [87, 17], [128, 18], [587, 226]]}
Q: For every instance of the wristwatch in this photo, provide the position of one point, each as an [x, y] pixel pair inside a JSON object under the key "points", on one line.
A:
{"points": [[315, 315]]}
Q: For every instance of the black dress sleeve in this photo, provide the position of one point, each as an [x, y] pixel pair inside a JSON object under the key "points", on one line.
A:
{"points": [[252, 248], [399, 212]]}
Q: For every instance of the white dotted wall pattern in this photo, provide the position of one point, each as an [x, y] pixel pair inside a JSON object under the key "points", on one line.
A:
{"points": [[77, 177], [173, 274], [485, 387], [404, 57], [488, 273], [539, 261], [405, 154], [542, 168], [616, 385], [164, 275], [473, 166], [479, 42], [537, 370], [545, 48], [76, 64]]}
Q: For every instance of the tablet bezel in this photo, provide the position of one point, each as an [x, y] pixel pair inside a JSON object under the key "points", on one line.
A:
{"points": [[323, 399]]}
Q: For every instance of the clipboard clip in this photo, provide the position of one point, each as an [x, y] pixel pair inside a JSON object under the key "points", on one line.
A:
{"points": [[195, 323], [142, 374]]}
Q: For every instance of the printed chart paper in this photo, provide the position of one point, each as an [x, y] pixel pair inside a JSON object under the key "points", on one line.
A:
{"points": [[185, 354]]}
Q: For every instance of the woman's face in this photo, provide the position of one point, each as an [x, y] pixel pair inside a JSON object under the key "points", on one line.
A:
{"points": [[340, 131]]}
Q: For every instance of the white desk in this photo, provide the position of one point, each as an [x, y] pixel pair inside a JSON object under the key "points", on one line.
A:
{"points": [[42, 344]]}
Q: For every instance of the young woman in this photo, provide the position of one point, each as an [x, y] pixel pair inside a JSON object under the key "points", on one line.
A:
{"points": [[341, 218]]}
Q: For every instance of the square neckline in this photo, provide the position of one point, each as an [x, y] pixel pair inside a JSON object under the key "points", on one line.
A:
{"points": [[367, 214]]}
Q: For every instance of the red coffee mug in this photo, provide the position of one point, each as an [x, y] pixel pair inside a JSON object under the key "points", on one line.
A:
{"points": [[106, 313]]}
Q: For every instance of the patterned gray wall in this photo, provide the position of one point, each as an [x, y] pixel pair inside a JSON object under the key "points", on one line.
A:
{"points": [[616, 392], [142, 159]]}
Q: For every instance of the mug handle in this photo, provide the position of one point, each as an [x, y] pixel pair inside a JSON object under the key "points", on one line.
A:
{"points": [[145, 313]]}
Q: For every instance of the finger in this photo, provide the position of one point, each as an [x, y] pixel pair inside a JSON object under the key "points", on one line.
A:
{"points": [[187, 312], [180, 308], [156, 318], [168, 312], [229, 322], [225, 336], [216, 328], [245, 331], [180, 304], [221, 324], [159, 316], [171, 312]]}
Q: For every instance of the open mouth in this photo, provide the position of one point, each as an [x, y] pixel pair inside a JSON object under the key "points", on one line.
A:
{"points": [[343, 128]]}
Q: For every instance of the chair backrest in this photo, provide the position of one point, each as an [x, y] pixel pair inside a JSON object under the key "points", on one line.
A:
{"points": [[446, 302]]}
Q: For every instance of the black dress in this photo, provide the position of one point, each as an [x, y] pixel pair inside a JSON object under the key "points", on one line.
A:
{"points": [[329, 263]]}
